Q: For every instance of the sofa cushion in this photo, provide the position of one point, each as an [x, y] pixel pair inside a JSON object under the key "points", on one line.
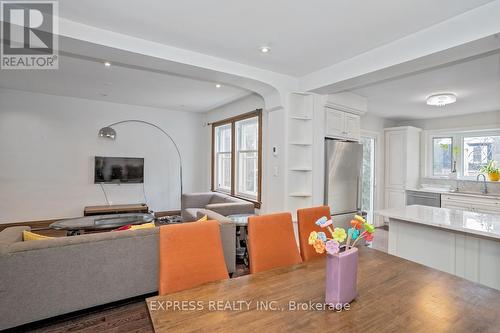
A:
{"points": [[12, 234], [211, 215], [190, 214]]}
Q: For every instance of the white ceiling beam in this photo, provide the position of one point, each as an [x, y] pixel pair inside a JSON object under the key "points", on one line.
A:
{"points": [[470, 26]]}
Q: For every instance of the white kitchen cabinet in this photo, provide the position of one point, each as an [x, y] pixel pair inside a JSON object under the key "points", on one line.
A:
{"points": [[471, 203], [395, 198], [353, 126], [402, 163], [344, 125]]}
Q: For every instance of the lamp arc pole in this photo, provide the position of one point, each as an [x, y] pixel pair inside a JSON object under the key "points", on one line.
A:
{"points": [[110, 133]]}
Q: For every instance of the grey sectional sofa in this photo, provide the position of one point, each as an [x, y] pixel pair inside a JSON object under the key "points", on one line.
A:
{"points": [[220, 204], [45, 278]]}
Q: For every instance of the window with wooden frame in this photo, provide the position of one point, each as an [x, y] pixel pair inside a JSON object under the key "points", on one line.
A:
{"points": [[237, 156]]}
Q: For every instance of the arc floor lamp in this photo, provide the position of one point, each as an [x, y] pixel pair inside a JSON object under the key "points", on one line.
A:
{"points": [[109, 132]]}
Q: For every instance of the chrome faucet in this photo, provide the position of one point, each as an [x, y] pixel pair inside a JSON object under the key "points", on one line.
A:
{"points": [[485, 189]]}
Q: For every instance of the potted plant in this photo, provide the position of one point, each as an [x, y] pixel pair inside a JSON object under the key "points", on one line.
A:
{"points": [[492, 170]]}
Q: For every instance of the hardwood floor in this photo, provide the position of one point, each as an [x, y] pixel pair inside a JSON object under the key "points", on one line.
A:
{"points": [[125, 316]]}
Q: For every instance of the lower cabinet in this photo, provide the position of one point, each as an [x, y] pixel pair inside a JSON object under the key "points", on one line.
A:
{"points": [[486, 205], [471, 257], [395, 198]]}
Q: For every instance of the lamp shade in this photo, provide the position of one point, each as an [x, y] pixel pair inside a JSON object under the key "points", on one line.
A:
{"points": [[107, 132]]}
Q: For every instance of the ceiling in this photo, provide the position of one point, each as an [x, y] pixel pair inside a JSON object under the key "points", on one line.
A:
{"points": [[304, 36], [476, 83], [88, 78]]}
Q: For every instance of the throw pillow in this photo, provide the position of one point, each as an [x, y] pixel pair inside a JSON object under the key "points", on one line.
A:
{"points": [[29, 236], [204, 218], [143, 226]]}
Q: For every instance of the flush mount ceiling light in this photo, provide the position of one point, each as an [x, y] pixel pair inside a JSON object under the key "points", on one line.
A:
{"points": [[265, 49], [441, 99]]}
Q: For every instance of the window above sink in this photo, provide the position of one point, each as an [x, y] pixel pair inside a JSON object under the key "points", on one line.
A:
{"points": [[464, 151]]}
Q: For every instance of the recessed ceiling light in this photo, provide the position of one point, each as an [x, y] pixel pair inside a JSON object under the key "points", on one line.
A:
{"points": [[265, 49], [441, 99], [217, 85], [103, 94], [107, 64]]}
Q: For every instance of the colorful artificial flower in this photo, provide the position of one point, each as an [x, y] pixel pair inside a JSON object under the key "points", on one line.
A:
{"points": [[332, 247], [359, 218], [322, 236], [312, 237], [323, 222], [353, 233], [369, 228], [369, 237], [357, 224], [339, 234], [319, 246]]}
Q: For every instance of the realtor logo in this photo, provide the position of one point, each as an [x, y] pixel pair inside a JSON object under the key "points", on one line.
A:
{"points": [[29, 35]]}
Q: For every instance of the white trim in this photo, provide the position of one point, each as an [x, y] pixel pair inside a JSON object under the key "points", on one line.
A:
{"points": [[344, 108]]}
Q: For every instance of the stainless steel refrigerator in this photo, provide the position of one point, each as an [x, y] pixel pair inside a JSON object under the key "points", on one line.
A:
{"points": [[343, 180]]}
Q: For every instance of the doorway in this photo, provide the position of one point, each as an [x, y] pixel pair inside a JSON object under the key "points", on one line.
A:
{"points": [[368, 177]]}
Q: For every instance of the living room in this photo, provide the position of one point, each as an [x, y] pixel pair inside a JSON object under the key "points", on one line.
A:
{"points": [[144, 164]]}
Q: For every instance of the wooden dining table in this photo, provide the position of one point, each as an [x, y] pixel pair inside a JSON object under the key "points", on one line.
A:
{"points": [[394, 295]]}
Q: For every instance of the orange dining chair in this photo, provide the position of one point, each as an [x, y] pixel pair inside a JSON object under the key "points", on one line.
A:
{"points": [[190, 255], [306, 219], [271, 242]]}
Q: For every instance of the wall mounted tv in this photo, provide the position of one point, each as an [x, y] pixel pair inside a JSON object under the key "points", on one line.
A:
{"points": [[119, 170]]}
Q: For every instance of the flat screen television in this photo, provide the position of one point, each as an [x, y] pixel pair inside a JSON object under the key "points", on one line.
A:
{"points": [[118, 170]]}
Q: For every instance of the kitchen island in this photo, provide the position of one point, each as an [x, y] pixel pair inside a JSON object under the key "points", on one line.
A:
{"points": [[458, 242]]}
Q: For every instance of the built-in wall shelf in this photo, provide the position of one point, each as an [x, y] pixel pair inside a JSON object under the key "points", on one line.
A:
{"points": [[300, 194], [300, 151], [301, 117], [301, 169]]}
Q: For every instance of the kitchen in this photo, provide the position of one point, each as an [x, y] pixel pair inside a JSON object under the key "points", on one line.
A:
{"points": [[441, 190]]}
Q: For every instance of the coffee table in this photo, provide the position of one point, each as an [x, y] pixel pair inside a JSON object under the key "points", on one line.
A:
{"points": [[77, 226]]}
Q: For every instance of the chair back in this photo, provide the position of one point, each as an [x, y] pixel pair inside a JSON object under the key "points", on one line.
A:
{"points": [[271, 242], [306, 219], [190, 254]]}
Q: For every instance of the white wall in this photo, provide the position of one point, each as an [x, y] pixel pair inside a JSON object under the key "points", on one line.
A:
{"points": [[272, 135], [47, 145]]}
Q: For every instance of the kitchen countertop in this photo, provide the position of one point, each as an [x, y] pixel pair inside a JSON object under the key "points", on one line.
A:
{"points": [[430, 190], [451, 192], [486, 225]]}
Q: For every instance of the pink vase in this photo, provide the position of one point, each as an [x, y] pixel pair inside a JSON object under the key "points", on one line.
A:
{"points": [[341, 276]]}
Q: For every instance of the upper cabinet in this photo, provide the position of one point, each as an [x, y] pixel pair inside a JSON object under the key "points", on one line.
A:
{"points": [[402, 157], [343, 113], [343, 125]]}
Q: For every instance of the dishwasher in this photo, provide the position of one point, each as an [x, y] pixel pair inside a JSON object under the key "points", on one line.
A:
{"points": [[423, 198]]}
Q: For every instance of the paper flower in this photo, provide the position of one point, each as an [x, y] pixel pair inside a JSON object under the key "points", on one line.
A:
{"points": [[319, 246], [369, 228], [368, 237], [357, 224], [353, 232], [339, 235], [322, 236], [323, 222], [359, 218], [312, 237], [332, 247]]}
